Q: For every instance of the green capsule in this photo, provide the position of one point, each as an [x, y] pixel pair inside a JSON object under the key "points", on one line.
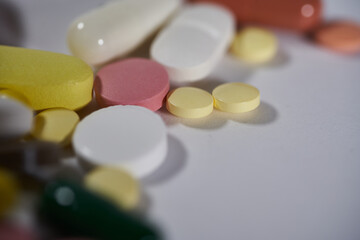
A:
{"points": [[70, 206]]}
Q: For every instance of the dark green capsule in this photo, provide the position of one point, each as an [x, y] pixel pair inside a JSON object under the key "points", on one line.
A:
{"points": [[70, 206]]}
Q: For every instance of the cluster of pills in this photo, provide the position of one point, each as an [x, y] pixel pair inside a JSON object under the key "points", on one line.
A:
{"points": [[125, 140]]}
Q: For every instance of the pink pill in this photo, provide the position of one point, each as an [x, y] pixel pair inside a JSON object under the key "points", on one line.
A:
{"points": [[12, 232], [135, 81]]}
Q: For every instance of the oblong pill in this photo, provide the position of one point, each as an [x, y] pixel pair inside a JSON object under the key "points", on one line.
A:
{"points": [[236, 97], [189, 102], [115, 184], [194, 42], [116, 28], [71, 207], [254, 45], [299, 15], [134, 81], [131, 137], [55, 125], [15, 118], [46, 79], [340, 36], [8, 191]]}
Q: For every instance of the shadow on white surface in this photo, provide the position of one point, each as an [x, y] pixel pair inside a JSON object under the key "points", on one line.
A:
{"points": [[11, 27], [174, 163], [264, 114]]}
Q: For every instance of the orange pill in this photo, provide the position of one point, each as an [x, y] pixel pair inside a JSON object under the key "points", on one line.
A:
{"points": [[339, 36], [298, 15]]}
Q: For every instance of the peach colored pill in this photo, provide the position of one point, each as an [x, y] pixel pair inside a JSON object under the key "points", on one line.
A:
{"points": [[136, 81], [340, 36]]}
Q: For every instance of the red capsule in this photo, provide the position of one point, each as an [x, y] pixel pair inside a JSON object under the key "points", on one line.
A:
{"points": [[298, 15]]}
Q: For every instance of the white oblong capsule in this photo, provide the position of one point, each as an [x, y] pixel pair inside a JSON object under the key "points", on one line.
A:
{"points": [[194, 42], [117, 28]]}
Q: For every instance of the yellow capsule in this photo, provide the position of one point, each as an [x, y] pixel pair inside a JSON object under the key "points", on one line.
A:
{"points": [[8, 191], [46, 79], [236, 97], [14, 95], [189, 102], [254, 45], [116, 185], [55, 125]]}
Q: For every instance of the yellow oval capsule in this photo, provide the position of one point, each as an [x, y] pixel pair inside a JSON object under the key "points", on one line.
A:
{"points": [[14, 95], [8, 191], [55, 125], [254, 45], [189, 102], [236, 97], [116, 185], [46, 79]]}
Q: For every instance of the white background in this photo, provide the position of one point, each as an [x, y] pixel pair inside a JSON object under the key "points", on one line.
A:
{"points": [[288, 170]]}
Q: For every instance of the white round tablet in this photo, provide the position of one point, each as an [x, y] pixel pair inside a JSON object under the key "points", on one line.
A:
{"points": [[130, 137], [15, 118]]}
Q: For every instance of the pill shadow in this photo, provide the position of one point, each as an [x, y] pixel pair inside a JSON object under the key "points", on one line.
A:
{"points": [[264, 114], [281, 59], [174, 163], [232, 69], [12, 31]]}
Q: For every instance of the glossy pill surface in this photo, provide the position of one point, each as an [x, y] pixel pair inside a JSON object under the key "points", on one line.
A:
{"points": [[72, 207], [254, 45], [236, 97], [133, 81], [299, 15], [194, 42], [117, 28], [129, 137], [16, 118], [46, 79], [115, 184], [189, 102], [340, 36], [55, 125]]}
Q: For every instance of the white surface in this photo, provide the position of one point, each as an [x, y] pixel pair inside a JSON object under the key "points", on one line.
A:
{"points": [[116, 28], [15, 118], [289, 170], [129, 137], [194, 42]]}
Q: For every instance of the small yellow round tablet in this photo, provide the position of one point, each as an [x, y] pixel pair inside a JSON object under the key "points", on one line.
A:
{"points": [[189, 102], [254, 45], [116, 185], [8, 191], [55, 125], [236, 97]]}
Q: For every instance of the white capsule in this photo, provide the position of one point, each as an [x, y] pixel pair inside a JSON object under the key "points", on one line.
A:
{"points": [[117, 28], [194, 42], [15, 118]]}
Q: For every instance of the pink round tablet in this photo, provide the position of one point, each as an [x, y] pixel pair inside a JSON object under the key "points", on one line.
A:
{"points": [[134, 81], [13, 232]]}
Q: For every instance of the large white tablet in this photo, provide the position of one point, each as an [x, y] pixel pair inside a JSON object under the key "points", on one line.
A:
{"points": [[117, 28], [129, 137], [194, 42]]}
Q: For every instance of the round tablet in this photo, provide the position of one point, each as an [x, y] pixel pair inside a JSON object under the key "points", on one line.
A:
{"points": [[136, 81], [131, 137], [236, 97], [115, 184], [254, 45], [15, 118], [340, 36], [55, 125], [189, 102]]}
